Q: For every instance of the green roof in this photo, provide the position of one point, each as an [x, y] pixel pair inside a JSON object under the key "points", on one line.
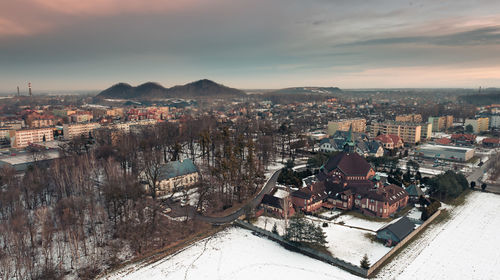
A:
{"points": [[414, 190], [174, 169]]}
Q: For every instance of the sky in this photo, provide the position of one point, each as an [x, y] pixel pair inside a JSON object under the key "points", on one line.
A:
{"points": [[93, 44]]}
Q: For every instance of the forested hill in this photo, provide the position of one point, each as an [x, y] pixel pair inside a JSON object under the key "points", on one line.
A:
{"points": [[150, 90]]}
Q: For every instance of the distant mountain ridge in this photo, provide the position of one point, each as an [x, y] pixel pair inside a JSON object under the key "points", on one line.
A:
{"points": [[150, 90], [307, 90]]}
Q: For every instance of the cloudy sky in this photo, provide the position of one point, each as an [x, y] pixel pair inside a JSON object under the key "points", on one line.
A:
{"points": [[92, 44]]}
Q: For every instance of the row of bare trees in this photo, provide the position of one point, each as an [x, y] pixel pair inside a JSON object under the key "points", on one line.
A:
{"points": [[89, 209]]}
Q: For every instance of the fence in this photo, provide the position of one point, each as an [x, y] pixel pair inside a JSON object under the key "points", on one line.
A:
{"points": [[401, 244], [305, 250], [332, 260]]}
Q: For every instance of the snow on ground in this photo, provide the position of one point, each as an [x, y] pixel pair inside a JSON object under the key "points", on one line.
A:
{"points": [[330, 213], [281, 193], [361, 223], [344, 243], [351, 244], [464, 247], [235, 254], [414, 213], [267, 223]]}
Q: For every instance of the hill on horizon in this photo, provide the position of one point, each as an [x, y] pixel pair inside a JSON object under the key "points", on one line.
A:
{"points": [[151, 90], [307, 90]]}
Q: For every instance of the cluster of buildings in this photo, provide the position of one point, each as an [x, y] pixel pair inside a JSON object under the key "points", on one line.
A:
{"points": [[347, 181]]}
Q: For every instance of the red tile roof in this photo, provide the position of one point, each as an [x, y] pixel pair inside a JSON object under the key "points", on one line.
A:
{"points": [[491, 140], [388, 138], [443, 141]]}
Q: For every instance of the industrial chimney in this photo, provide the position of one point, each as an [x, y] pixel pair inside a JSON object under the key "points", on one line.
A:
{"points": [[29, 87], [18, 91]]}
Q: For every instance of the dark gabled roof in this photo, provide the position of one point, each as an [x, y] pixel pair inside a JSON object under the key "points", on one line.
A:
{"points": [[414, 190], [303, 193], [317, 191], [272, 201], [400, 227], [351, 164]]}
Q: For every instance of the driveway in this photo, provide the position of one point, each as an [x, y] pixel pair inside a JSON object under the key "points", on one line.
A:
{"points": [[271, 183]]}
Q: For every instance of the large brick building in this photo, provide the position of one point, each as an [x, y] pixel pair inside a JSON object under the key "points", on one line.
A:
{"points": [[346, 182]]}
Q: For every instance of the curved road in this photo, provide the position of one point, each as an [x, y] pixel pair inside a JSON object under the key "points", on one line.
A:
{"points": [[271, 183]]}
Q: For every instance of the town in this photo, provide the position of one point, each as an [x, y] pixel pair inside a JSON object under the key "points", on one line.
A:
{"points": [[244, 140], [90, 182]]}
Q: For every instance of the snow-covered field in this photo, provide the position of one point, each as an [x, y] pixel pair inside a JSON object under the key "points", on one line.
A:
{"points": [[464, 247], [235, 254], [345, 243]]}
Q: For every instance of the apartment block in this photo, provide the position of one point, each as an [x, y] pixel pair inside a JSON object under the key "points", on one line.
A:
{"points": [[410, 132], [426, 131], [23, 137], [358, 125], [478, 125], [73, 130], [441, 123], [412, 118]]}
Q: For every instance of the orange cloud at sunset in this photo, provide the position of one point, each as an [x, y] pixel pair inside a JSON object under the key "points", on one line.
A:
{"points": [[110, 7]]}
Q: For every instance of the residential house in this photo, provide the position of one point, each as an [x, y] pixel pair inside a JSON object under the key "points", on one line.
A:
{"points": [[463, 139], [275, 206], [362, 145], [390, 141], [491, 142]]}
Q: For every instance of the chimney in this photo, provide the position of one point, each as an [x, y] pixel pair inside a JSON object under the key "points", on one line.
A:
{"points": [[18, 91], [29, 87]]}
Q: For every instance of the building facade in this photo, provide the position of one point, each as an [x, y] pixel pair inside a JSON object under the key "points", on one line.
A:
{"points": [[413, 118], [478, 125], [451, 153], [441, 123], [358, 125], [24, 137], [71, 131], [176, 175], [409, 132]]}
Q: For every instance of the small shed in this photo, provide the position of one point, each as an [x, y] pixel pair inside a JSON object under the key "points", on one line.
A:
{"points": [[396, 230]]}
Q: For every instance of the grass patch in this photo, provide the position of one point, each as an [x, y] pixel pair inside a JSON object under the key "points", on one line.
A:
{"points": [[459, 200], [373, 238], [443, 217]]}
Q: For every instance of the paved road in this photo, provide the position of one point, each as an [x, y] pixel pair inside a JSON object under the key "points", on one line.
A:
{"points": [[478, 174], [271, 183]]}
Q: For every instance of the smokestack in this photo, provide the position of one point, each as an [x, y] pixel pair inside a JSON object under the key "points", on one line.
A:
{"points": [[18, 91], [29, 87]]}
